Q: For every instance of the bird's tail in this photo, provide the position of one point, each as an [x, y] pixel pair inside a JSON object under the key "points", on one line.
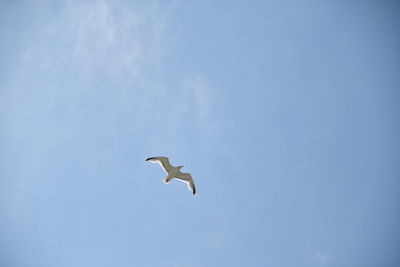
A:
{"points": [[166, 180]]}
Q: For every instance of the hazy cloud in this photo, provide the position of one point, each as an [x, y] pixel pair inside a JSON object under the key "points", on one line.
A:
{"points": [[198, 91], [323, 258]]}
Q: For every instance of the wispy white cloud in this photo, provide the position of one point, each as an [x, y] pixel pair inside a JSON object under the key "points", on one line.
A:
{"points": [[116, 40], [101, 41], [323, 258], [198, 91], [187, 109], [108, 40], [127, 45]]}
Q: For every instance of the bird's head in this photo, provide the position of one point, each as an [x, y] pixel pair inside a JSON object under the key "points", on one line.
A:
{"points": [[180, 167]]}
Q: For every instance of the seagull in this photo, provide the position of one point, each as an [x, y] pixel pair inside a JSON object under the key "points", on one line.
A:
{"points": [[174, 172]]}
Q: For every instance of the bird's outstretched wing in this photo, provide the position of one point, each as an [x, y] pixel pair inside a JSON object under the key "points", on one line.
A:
{"points": [[163, 161], [187, 178]]}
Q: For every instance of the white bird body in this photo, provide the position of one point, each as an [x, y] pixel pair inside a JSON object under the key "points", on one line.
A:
{"points": [[174, 172]]}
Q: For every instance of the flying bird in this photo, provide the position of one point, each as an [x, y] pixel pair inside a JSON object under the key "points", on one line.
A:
{"points": [[174, 172]]}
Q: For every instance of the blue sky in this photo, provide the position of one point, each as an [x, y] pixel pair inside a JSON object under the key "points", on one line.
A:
{"points": [[285, 113]]}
